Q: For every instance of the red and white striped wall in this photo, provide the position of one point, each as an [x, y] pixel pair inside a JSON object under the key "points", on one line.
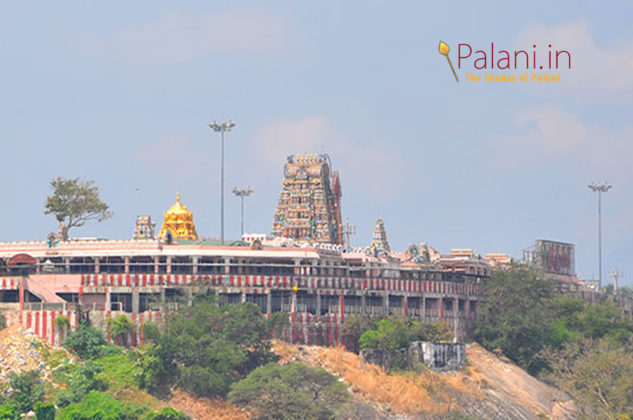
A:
{"points": [[9, 283], [283, 282], [42, 323]]}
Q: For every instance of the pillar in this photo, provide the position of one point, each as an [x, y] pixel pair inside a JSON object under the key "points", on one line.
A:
{"points": [[188, 295], [243, 297], [318, 304], [293, 302], [156, 264], [67, 265], [405, 305], [97, 265], [194, 268], [168, 262], [455, 318], [423, 308], [269, 302], [136, 301], [341, 307], [363, 304], [126, 265], [227, 267], [440, 313], [108, 299], [385, 302]]}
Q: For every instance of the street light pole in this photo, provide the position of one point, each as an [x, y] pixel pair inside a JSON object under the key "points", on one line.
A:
{"points": [[348, 230], [602, 188], [222, 127], [241, 193]]}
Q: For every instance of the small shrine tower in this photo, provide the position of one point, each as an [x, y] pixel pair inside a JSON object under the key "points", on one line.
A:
{"points": [[380, 244], [144, 228], [309, 207], [179, 223]]}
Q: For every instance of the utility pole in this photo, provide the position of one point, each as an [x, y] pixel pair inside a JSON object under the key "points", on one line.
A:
{"points": [[615, 275], [603, 188], [241, 193], [222, 127]]}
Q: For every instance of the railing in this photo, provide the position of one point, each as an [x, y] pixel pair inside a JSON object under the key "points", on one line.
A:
{"points": [[299, 307], [43, 306]]}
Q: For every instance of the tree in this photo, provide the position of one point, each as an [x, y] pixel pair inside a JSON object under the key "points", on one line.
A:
{"points": [[75, 201], [27, 390], [598, 375], [392, 334], [516, 315], [205, 348], [292, 391], [61, 324], [44, 411], [86, 341], [120, 327], [355, 326]]}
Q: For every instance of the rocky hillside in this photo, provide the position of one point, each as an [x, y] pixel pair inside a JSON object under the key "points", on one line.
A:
{"points": [[488, 387]]}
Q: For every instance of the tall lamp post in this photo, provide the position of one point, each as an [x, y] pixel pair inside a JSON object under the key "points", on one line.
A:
{"points": [[222, 127], [602, 188], [241, 193]]}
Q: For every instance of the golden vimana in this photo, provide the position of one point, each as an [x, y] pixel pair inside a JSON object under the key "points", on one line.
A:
{"points": [[179, 222]]}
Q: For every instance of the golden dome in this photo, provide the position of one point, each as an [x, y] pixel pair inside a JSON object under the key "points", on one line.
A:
{"points": [[178, 208], [179, 222]]}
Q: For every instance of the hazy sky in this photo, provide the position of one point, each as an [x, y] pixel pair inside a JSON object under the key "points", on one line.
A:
{"points": [[122, 92]]}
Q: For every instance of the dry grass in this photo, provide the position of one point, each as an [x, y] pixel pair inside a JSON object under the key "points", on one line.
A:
{"points": [[202, 408], [403, 393]]}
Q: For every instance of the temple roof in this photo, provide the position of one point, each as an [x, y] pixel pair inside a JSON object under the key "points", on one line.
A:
{"points": [[178, 223]]}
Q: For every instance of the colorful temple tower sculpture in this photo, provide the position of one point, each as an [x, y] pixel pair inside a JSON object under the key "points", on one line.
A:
{"points": [[144, 228], [178, 223], [380, 244], [309, 207]]}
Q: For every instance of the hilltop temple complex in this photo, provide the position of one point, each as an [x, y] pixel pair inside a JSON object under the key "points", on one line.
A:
{"points": [[303, 271]]}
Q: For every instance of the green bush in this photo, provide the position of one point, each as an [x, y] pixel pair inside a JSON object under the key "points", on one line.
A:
{"points": [[61, 321], [81, 382], [120, 327], [87, 342], [148, 366], [44, 411], [292, 391], [7, 412], [27, 390], [99, 406], [167, 413], [150, 331], [392, 333]]}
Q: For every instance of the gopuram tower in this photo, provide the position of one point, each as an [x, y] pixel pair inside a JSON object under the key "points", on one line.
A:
{"points": [[309, 207]]}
